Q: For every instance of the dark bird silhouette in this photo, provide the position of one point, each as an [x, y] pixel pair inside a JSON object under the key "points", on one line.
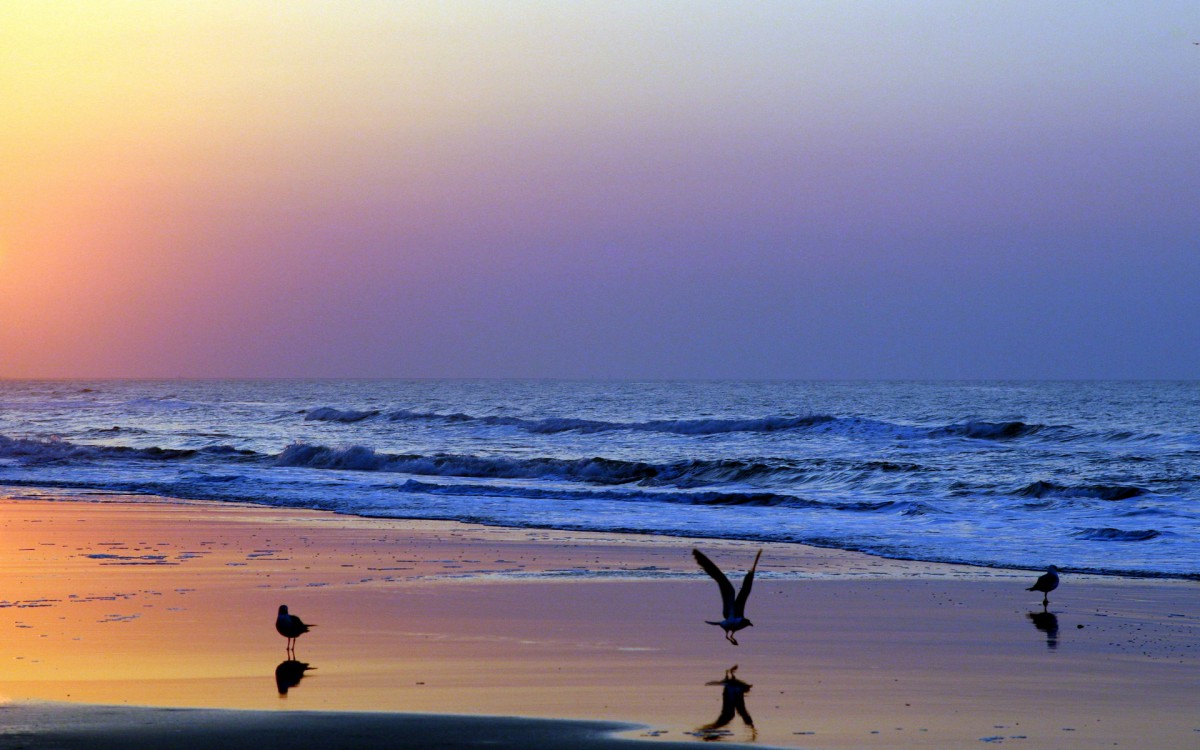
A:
{"points": [[1047, 622], [1047, 583], [290, 627], [288, 675], [733, 608], [733, 701]]}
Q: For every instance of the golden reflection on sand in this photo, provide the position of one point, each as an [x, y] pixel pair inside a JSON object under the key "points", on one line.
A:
{"points": [[174, 605]]}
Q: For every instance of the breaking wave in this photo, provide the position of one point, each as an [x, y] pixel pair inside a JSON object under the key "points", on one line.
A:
{"points": [[554, 425], [329, 414], [732, 499], [824, 423], [595, 470], [988, 430], [55, 450], [1116, 535], [693, 474], [1041, 489]]}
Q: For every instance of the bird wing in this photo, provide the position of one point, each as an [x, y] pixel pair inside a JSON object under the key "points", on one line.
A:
{"points": [[1045, 582], [727, 603], [739, 606]]}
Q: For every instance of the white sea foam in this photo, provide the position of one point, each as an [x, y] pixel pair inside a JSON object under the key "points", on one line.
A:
{"points": [[1091, 476]]}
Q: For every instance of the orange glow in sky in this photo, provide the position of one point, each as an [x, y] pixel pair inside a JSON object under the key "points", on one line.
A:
{"points": [[600, 189]]}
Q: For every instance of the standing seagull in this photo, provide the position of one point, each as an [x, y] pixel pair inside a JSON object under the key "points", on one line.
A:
{"points": [[1046, 583], [290, 627], [733, 608]]}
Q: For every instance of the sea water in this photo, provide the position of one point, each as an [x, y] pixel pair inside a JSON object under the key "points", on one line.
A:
{"points": [[1090, 476]]}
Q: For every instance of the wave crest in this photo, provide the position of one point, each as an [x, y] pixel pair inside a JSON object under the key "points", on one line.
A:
{"points": [[33, 451], [823, 423], [1113, 492], [710, 498], [329, 414], [595, 470], [361, 458], [988, 430], [554, 425], [1109, 534]]}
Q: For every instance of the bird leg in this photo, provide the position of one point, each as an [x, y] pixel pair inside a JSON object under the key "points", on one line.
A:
{"points": [[729, 637]]}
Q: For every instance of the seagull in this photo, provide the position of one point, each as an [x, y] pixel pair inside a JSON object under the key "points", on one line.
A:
{"points": [[290, 627], [733, 608], [1046, 583]]}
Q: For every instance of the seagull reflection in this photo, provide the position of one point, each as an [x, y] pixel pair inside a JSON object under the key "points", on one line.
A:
{"points": [[1047, 622], [288, 675], [733, 701]]}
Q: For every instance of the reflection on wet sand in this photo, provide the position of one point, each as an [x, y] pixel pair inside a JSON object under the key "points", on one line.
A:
{"points": [[1047, 622], [733, 701], [288, 675]]}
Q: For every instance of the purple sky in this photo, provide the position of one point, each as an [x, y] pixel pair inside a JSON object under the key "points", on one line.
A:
{"points": [[601, 189]]}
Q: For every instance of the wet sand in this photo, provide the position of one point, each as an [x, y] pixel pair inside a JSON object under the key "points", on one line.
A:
{"points": [[137, 602]]}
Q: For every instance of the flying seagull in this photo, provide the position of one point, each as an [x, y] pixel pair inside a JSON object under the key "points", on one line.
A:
{"points": [[290, 627], [1046, 583], [733, 608]]}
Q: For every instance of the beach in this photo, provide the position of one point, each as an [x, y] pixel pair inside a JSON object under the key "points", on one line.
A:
{"points": [[113, 606]]}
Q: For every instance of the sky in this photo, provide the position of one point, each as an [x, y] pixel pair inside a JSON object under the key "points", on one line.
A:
{"points": [[610, 189]]}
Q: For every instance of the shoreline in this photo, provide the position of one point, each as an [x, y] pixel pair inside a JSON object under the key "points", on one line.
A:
{"points": [[141, 602], [99, 727], [907, 565], [39, 492]]}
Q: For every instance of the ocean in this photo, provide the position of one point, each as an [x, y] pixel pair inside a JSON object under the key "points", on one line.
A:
{"points": [[1099, 477]]}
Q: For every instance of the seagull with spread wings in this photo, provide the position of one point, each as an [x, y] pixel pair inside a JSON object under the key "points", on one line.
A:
{"points": [[733, 605]]}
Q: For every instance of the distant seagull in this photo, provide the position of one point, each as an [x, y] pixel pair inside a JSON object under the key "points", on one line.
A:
{"points": [[733, 608], [290, 627], [1047, 583]]}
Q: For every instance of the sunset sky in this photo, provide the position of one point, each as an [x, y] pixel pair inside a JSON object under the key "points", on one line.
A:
{"points": [[600, 189]]}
